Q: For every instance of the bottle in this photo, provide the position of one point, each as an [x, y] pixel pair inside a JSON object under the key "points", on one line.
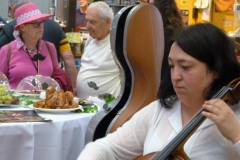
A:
{"points": [[83, 45], [78, 49]]}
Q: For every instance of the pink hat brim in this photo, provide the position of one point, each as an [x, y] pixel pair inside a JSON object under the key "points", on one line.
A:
{"points": [[40, 16]]}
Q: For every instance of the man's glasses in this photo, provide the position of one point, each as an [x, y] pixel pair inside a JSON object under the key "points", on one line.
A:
{"points": [[11, 11], [37, 24]]}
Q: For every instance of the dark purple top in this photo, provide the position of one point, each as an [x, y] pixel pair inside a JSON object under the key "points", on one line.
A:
{"points": [[80, 18]]}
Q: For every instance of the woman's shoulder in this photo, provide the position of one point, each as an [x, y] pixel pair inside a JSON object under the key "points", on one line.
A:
{"points": [[155, 108], [150, 110], [6, 46], [48, 44]]}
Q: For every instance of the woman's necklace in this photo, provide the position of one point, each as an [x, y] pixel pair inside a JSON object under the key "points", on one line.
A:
{"points": [[31, 51]]}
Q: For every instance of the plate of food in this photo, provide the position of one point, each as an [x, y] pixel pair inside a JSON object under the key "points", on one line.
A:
{"points": [[83, 102], [55, 110], [56, 101], [8, 101], [34, 93]]}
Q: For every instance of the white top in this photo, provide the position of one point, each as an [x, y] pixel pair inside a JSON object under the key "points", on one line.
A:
{"points": [[152, 128], [99, 67]]}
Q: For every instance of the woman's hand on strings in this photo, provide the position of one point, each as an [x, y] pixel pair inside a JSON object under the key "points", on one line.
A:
{"points": [[218, 111]]}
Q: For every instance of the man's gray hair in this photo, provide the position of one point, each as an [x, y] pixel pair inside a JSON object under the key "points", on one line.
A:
{"points": [[103, 9], [17, 3]]}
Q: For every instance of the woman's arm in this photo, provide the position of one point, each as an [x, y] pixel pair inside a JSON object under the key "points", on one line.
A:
{"points": [[125, 143], [3, 60]]}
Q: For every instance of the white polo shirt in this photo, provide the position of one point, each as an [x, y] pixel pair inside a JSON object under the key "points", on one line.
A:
{"points": [[99, 73]]}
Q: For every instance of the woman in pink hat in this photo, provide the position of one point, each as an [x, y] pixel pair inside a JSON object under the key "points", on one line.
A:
{"points": [[29, 54]]}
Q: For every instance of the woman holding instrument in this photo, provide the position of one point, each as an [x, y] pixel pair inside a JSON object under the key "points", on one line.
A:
{"points": [[202, 60]]}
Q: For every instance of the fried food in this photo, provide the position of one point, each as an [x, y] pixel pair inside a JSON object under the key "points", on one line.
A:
{"points": [[39, 104], [69, 97], [56, 99], [61, 99], [74, 105], [49, 92]]}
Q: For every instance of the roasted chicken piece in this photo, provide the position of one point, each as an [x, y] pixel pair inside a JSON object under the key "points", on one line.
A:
{"points": [[49, 92], [51, 100], [61, 99], [39, 104], [74, 105], [69, 97], [57, 99]]}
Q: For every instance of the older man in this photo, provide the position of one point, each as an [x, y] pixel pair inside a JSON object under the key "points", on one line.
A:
{"points": [[52, 33], [99, 72]]}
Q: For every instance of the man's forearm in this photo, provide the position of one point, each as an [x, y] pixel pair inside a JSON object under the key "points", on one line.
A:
{"points": [[72, 72], [70, 68]]}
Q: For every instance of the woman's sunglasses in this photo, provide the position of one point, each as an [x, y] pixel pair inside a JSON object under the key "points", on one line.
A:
{"points": [[37, 24]]}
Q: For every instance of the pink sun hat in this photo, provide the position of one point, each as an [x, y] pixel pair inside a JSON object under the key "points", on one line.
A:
{"points": [[27, 13]]}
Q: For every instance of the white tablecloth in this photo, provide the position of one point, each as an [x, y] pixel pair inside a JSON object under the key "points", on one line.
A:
{"points": [[61, 139]]}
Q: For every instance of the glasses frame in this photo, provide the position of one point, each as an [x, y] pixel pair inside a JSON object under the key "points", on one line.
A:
{"points": [[37, 24], [9, 14], [11, 11]]}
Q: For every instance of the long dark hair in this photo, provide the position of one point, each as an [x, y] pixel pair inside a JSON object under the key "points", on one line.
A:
{"points": [[172, 23], [170, 14], [210, 45]]}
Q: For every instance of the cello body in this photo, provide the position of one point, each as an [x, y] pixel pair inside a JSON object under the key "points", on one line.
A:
{"points": [[144, 50], [137, 41], [99, 123]]}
